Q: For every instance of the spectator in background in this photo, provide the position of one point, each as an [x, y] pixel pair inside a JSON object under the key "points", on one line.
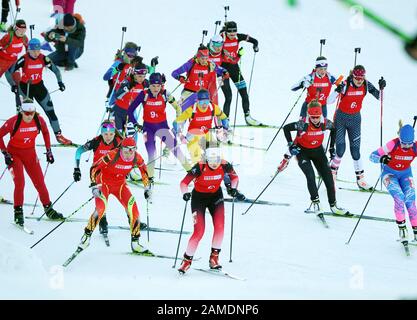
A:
{"points": [[63, 6], [69, 41]]}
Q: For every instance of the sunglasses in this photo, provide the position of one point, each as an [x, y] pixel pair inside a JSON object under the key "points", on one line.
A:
{"points": [[29, 113], [205, 101], [231, 31], [217, 44], [315, 117], [129, 148], [359, 78], [406, 145]]}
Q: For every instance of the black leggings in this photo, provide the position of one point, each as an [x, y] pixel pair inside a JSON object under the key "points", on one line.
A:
{"points": [[318, 157], [240, 84], [41, 95], [4, 10]]}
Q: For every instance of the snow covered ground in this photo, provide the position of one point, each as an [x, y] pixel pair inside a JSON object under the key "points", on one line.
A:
{"points": [[281, 251]]}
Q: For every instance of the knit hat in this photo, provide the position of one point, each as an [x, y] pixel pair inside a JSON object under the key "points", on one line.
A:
{"points": [[34, 44], [407, 134], [28, 106], [321, 62], [203, 94], [155, 78], [107, 126], [359, 71], [20, 23], [129, 142], [69, 20], [231, 26], [202, 51]]}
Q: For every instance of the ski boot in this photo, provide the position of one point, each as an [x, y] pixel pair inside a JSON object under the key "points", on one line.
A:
{"points": [[214, 259], [251, 121], [136, 246], [51, 213], [18, 216], [185, 264], [360, 181], [61, 139], [339, 211], [85, 239], [102, 225], [414, 241], [403, 233], [317, 209], [3, 27]]}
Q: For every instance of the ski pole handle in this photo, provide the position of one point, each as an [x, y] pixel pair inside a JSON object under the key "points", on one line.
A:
{"points": [[415, 119]]}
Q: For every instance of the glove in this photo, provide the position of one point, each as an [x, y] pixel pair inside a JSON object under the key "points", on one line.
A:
{"points": [[225, 123], [382, 83], [61, 86], [284, 163], [385, 159], [49, 156], [154, 61], [340, 87], [147, 193], [294, 149], [182, 79], [241, 52], [255, 48], [233, 192], [121, 66], [225, 76], [332, 153], [8, 159], [306, 83], [77, 174], [138, 127], [95, 190], [186, 196], [14, 88]]}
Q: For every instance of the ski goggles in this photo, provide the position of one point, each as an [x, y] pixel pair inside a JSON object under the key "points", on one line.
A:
{"points": [[231, 30], [29, 113], [216, 44], [359, 78], [131, 53], [204, 101], [142, 72], [107, 127], [315, 117]]}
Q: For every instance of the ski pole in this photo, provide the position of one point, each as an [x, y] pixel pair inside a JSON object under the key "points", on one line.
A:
{"points": [[3, 173], [226, 8], [251, 72], [357, 50], [147, 218], [54, 91], [31, 27], [12, 13], [160, 161], [179, 240], [322, 43], [360, 217], [62, 222], [217, 23], [254, 201], [39, 219], [37, 197], [204, 34], [380, 135], [273, 139], [231, 230], [415, 119], [98, 130]]}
